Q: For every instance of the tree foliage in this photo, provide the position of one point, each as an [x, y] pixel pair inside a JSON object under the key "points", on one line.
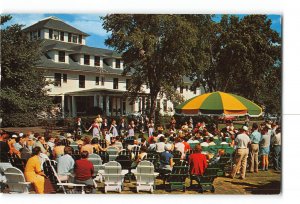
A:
{"points": [[236, 55], [22, 85], [245, 59], [157, 50]]}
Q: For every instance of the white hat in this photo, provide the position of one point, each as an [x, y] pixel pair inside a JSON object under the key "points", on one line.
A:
{"points": [[245, 128], [21, 134], [69, 134], [14, 136]]}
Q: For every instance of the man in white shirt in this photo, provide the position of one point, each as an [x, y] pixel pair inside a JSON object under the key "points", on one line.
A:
{"points": [[240, 160]]}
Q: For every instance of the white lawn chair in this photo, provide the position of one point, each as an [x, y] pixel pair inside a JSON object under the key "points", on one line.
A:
{"points": [[16, 181], [113, 177], [74, 145], [97, 162], [145, 176], [113, 152]]}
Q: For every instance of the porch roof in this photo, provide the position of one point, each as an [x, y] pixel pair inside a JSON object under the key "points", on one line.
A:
{"points": [[101, 91]]}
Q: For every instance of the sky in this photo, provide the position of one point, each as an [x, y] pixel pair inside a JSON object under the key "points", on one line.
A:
{"points": [[92, 24]]}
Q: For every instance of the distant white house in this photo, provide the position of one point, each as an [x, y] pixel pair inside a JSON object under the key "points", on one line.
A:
{"points": [[88, 77]]}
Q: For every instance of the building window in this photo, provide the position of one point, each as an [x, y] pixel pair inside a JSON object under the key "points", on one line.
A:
{"points": [[97, 61], [61, 56], [69, 37], [115, 83], [102, 81], [50, 33], [81, 81], [57, 79], [80, 39], [62, 36], [128, 83], [181, 89], [74, 38], [55, 34], [39, 34], [97, 80], [65, 78], [86, 59], [118, 63], [165, 106]]}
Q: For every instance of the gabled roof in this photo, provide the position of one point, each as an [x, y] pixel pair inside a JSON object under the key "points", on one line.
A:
{"points": [[55, 24]]}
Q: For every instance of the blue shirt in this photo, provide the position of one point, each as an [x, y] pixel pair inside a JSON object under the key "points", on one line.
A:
{"points": [[165, 158], [65, 164], [255, 137]]}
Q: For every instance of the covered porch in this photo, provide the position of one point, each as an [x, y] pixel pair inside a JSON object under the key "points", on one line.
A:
{"points": [[100, 101]]}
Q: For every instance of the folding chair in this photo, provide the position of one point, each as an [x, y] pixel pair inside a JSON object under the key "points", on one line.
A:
{"points": [[145, 176], [177, 177], [16, 181], [113, 177], [50, 171]]}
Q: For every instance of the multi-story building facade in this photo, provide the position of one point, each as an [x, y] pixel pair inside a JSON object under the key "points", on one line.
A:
{"points": [[88, 78]]}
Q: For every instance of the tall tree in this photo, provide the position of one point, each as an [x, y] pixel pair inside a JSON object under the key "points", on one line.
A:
{"points": [[22, 93], [157, 51], [246, 59]]}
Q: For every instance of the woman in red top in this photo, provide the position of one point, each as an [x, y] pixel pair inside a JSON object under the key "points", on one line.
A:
{"points": [[84, 171], [197, 161]]}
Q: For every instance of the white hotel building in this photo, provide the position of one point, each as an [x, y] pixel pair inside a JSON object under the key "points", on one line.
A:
{"points": [[86, 77]]}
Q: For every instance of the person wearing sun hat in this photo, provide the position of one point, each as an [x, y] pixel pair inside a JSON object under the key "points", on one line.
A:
{"points": [[240, 160]]}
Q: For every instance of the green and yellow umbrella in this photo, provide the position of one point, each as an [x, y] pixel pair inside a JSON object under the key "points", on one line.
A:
{"points": [[219, 103]]}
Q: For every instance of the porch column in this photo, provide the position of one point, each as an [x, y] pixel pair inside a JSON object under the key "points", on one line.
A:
{"points": [[95, 100], [107, 105], [69, 106], [121, 106], [74, 111], [100, 105], [63, 106]]}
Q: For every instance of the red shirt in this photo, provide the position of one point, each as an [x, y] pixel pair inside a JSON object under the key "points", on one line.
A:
{"points": [[186, 146], [198, 163], [84, 169]]}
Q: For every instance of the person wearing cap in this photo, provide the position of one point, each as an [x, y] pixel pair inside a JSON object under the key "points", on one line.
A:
{"points": [[240, 159], [11, 144], [69, 137], [255, 138]]}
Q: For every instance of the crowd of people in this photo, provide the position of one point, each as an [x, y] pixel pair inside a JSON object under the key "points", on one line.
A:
{"points": [[247, 141]]}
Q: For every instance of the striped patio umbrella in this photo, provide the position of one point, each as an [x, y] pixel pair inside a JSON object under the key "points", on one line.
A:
{"points": [[219, 103]]}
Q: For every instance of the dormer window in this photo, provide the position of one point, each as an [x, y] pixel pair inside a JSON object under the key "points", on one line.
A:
{"points": [[62, 36], [69, 37], [74, 39], [55, 35], [118, 63], [86, 59], [61, 56], [50, 33], [80, 39], [97, 61]]}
